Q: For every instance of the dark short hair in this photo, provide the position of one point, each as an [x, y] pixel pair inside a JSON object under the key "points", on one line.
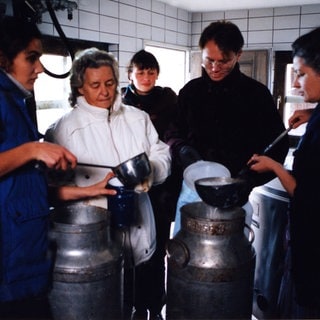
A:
{"points": [[15, 35], [307, 47], [225, 34], [89, 58], [143, 60]]}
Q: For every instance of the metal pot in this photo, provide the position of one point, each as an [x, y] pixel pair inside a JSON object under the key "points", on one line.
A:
{"points": [[130, 172], [133, 171], [87, 273], [223, 192], [210, 265]]}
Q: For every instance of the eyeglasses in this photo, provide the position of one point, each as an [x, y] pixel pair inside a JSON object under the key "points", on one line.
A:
{"points": [[209, 63]]}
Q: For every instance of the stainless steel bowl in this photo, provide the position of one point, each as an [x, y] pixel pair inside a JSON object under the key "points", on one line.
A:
{"points": [[223, 192], [133, 171], [130, 172]]}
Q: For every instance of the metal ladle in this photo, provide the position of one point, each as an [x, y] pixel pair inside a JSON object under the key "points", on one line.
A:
{"points": [[267, 149], [275, 141], [226, 192], [94, 165], [130, 172]]}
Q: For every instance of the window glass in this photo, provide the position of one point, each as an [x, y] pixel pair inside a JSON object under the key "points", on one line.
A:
{"points": [[174, 66], [51, 93]]}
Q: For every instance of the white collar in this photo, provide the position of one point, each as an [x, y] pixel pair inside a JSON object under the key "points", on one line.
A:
{"points": [[96, 111]]}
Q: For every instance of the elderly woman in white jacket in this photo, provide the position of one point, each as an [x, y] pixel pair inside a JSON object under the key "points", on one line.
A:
{"points": [[100, 129]]}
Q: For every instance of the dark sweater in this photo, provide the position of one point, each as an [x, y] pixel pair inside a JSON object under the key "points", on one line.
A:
{"points": [[305, 215], [227, 121]]}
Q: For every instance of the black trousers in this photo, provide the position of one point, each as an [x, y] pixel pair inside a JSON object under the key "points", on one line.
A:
{"points": [[149, 282], [31, 308], [150, 291], [148, 278]]}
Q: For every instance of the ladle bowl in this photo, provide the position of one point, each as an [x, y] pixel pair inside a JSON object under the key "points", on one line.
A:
{"points": [[223, 192], [130, 172], [133, 171]]}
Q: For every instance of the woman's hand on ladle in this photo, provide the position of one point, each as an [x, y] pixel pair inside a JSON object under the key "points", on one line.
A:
{"points": [[260, 163], [77, 193], [264, 163], [299, 117]]}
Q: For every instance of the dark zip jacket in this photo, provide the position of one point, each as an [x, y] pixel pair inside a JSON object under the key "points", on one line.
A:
{"points": [[227, 122], [161, 105]]}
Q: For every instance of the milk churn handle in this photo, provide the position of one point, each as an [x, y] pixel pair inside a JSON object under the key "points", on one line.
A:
{"points": [[180, 248], [251, 233]]}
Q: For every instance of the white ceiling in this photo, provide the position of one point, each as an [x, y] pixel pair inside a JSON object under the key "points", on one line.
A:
{"points": [[222, 5]]}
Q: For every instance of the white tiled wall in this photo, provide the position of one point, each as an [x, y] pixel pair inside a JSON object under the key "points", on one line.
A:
{"points": [[128, 23], [274, 28], [125, 23]]}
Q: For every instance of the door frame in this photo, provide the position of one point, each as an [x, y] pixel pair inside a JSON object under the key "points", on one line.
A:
{"points": [[281, 59]]}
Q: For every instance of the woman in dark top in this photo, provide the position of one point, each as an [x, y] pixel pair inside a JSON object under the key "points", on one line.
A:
{"points": [[302, 278], [160, 104]]}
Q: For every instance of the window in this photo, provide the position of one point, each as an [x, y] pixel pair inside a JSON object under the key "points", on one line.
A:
{"points": [[174, 66], [51, 93]]}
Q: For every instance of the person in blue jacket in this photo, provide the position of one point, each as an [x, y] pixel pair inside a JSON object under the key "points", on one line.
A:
{"points": [[24, 194], [24, 207], [299, 296]]}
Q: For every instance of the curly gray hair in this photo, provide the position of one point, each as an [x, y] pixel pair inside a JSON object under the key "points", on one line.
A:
{"points": [[90, 58]]}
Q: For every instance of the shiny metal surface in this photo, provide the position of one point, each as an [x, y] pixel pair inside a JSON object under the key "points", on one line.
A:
{"points": [[130, 172], [223, 192], [133, 171], [273, 143], [87, 265], [210, 265], [269, 221]]}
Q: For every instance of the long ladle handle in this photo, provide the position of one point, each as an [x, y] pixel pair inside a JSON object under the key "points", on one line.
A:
{"points": [[94, 165], [273, 143]]}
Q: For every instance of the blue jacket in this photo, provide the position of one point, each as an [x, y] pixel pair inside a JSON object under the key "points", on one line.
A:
{"points": [[24, 208]]}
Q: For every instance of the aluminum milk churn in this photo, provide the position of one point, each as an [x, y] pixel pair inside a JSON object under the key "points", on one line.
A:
{"points": [[87, 265], [210, 265]]}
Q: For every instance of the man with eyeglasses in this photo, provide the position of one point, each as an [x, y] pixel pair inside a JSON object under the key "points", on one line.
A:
{"points": [[224, 116]]}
